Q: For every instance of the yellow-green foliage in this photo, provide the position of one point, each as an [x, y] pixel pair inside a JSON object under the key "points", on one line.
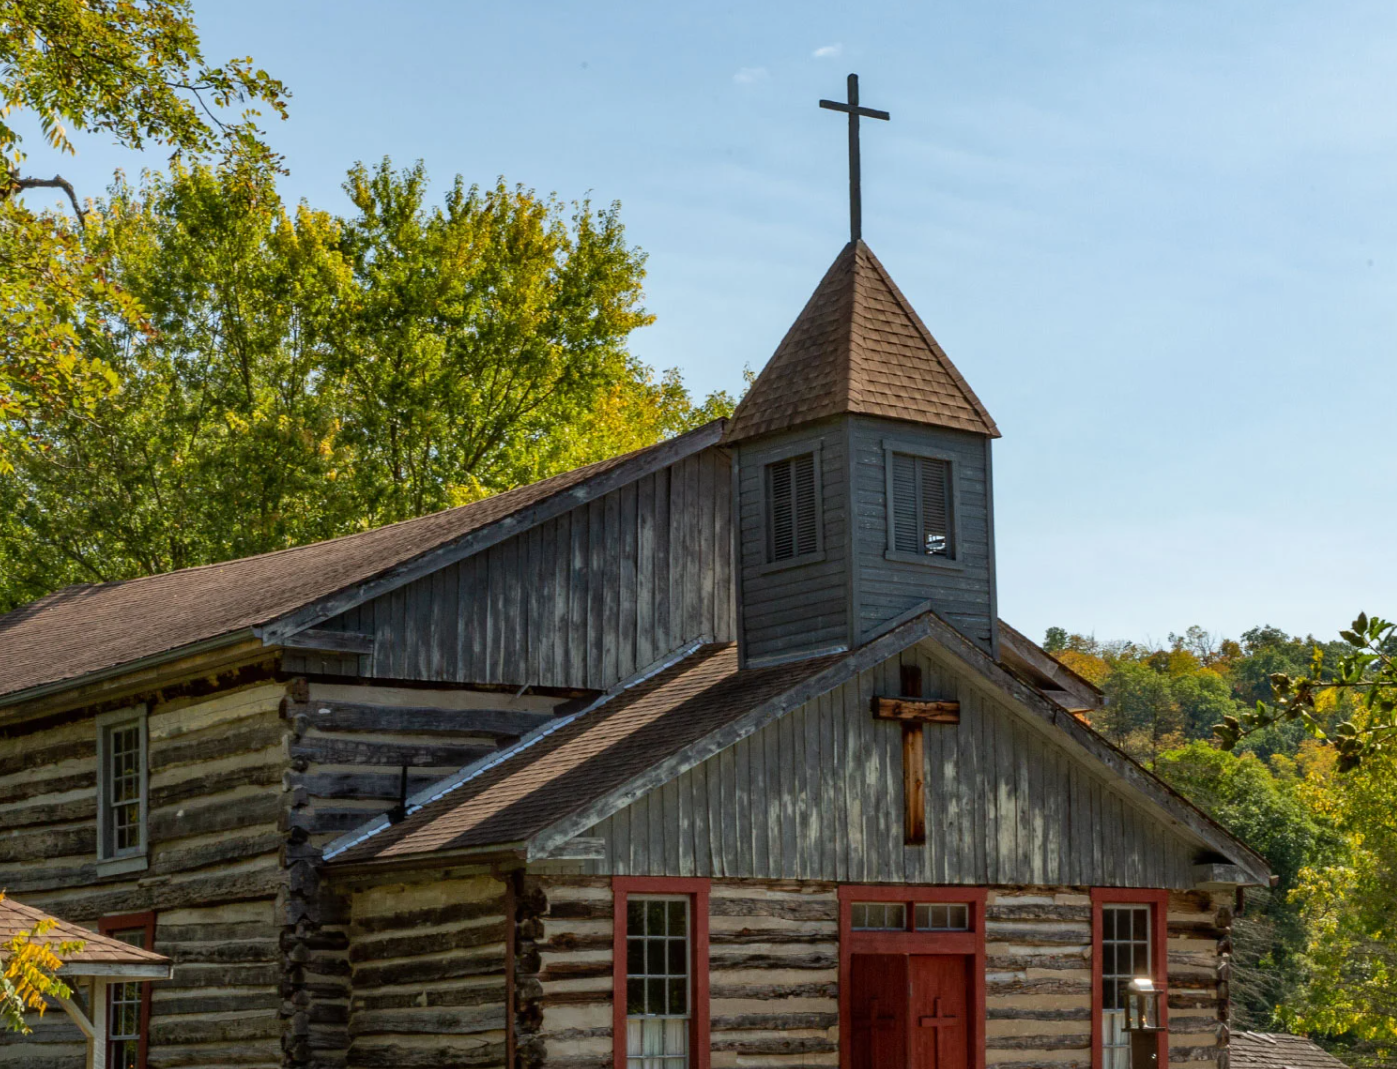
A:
{"points": [[28, 967]]}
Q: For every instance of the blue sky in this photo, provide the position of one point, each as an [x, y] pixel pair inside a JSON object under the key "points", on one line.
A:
{"points": [[1156, 238]]}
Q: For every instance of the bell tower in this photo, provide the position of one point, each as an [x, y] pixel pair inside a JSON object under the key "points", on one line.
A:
{"points": [[864, 482]]}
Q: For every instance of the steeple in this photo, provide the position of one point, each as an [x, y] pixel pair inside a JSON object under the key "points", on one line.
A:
{"points": [[858, 348], [864, 482]]}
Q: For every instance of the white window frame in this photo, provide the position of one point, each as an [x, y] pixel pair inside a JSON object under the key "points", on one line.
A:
{"points": [[1115, 1041], [132, 858], [665, 1061]]}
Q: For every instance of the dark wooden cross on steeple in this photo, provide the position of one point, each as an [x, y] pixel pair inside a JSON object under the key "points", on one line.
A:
{"points": [[854, 112]]}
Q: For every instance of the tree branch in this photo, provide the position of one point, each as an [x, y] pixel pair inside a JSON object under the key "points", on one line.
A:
{"points": [[56, 182]]}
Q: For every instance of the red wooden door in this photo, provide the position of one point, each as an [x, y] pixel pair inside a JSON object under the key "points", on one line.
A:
{"points": [[878, 1005], [939, 1017]]}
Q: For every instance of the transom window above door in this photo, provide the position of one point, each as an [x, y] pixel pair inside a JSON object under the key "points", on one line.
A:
{"points": [[926, 916]]}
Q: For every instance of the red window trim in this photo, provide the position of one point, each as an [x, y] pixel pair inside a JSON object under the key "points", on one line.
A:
{"points": [[971, 944], [697, 889], [1159, 953], [124, 922]]}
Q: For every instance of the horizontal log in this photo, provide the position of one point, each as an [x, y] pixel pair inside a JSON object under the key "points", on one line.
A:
{"points": [[216, 815], [168, 893], [776, 1045], [45, 812], [719, 990], [1043, 912], [365, 1054], [395, 720], [774, 1022], [795, 908], [179, 1003], [1020, 1013], [324, 750], [428, 1021], [1049, 985], [575, 970], [917, 710], [35, 786], [412, 945], [218, 741], [475, 995], [1036, 935], [777, 937], [208, 782], [39, 845], [422, 970], [1020, 962], [377, 786], [737, 959], [175, 1031], [1075, 1041], [433, 917], [31, 758], [168, 860]]}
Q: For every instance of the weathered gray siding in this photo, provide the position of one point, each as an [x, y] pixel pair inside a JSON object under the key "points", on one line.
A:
{"points": [[817, 794], [961, 594], [583, 600], [802, 607]]}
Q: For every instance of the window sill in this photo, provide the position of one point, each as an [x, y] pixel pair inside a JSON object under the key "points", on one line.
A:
{"points": [[794, 562], [115, 866], [901, 556]]}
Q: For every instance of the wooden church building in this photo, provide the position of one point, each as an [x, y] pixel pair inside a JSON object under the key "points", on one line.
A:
{"points": [[715, 754]]}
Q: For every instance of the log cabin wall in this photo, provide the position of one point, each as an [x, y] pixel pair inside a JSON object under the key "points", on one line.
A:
{"points": [[774, 975], [428, 973], [583, 600], [817, 794], [214, 875], [348, 745]]}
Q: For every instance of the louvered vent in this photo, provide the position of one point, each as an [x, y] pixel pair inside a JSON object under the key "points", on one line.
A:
{"points": [[793, 514], [921, 506]]}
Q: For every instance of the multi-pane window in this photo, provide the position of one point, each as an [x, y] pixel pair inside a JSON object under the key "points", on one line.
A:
{"points": [[942, 917], [121, 787], [792, 508], [878, 916], [658, 988], [920, 510], [125, 1002], [1125, 954]]}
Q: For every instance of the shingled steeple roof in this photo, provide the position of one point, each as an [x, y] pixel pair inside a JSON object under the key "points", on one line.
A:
{"points": [[858, 348]]}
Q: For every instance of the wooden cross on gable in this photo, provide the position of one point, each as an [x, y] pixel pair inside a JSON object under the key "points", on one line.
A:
{"points": [[914, 712], [855, 112]]}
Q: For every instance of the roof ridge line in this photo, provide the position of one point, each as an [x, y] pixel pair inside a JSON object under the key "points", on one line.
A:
{"points": [[945, 361], [475, 769]]}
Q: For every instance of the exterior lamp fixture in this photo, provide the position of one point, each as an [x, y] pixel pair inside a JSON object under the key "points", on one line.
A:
{"points": [[1142, 1022]]}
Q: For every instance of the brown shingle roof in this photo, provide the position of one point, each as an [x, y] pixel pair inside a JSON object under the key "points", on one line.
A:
{"points": [[599, 751], [84, 629], [858, 347], [1277, 1050], [97, 949]]}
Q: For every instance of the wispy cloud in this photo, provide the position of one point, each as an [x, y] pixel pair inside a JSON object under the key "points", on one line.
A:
{"points": [[750, 75], [828, 51]]}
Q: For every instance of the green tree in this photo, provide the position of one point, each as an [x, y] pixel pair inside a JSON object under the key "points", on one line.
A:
{"points": [[304, 375], [1269, 813], [131, 70]]}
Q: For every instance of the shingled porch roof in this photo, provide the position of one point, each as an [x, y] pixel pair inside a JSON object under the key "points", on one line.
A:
{"points": [[858, 348], [101, 955]]}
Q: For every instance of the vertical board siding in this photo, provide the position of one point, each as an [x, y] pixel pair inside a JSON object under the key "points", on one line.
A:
{"points": [[215, 792], [582, 600], [428, 974], [805, 606], [963, 595], [817, 794]]}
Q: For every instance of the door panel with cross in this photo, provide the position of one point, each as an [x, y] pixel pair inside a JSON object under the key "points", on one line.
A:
{"points": [[939, 1015], [910, 1011]]}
